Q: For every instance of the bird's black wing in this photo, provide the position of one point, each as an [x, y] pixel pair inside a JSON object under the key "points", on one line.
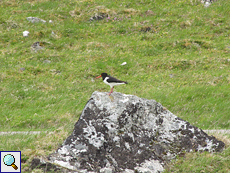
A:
{"points": [[114, 80]]}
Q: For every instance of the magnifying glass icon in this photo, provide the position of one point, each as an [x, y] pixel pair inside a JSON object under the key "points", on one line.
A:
{"points": [[9, 160]]}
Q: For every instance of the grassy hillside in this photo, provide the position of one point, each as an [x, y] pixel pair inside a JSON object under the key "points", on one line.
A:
{"points": [[177, 53]]}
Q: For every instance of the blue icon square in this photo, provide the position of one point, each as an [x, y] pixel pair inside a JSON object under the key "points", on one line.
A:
{"points": [[10, 161]]}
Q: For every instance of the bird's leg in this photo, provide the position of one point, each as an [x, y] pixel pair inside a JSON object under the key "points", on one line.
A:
{"points": [[111, 91]]}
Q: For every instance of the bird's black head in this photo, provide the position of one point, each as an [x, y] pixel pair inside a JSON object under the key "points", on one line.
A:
{"points": [[104, 75]]}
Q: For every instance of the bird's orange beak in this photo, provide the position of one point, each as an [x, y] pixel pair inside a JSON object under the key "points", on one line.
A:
{"points": [[98, 77]]}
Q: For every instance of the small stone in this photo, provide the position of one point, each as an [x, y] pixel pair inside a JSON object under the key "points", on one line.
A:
{"points": [[124, 63], [26, 33], [54, 71], [47, 61], [171, 75], [22, 69], [35, 20], [54, 35], [207, 4], [98, 16], [37, 46]]}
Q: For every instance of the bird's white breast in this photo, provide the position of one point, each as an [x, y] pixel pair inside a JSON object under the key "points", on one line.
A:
{"points": [[111, 84]]}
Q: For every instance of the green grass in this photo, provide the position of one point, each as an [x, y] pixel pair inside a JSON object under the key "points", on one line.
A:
{"points": [[32, 145], [182, 61]]}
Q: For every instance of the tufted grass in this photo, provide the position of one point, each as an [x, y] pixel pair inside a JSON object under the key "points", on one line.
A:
{"points": [[177, 53]]}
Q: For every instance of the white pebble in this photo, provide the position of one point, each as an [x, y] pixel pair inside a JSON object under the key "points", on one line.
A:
{"points": [[26, 33], [124, 63]]}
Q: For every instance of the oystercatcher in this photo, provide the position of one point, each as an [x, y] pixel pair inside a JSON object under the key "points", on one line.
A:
{"points": [[111, 81]]}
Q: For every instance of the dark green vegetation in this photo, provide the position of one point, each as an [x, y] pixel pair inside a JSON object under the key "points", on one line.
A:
{"points": [[177, 53]]}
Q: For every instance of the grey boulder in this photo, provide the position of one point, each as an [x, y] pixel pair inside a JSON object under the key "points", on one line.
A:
{"points": [[125, 133]]}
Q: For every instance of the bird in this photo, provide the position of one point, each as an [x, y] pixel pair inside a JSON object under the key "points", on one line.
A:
{"points": [[111, 81]]}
